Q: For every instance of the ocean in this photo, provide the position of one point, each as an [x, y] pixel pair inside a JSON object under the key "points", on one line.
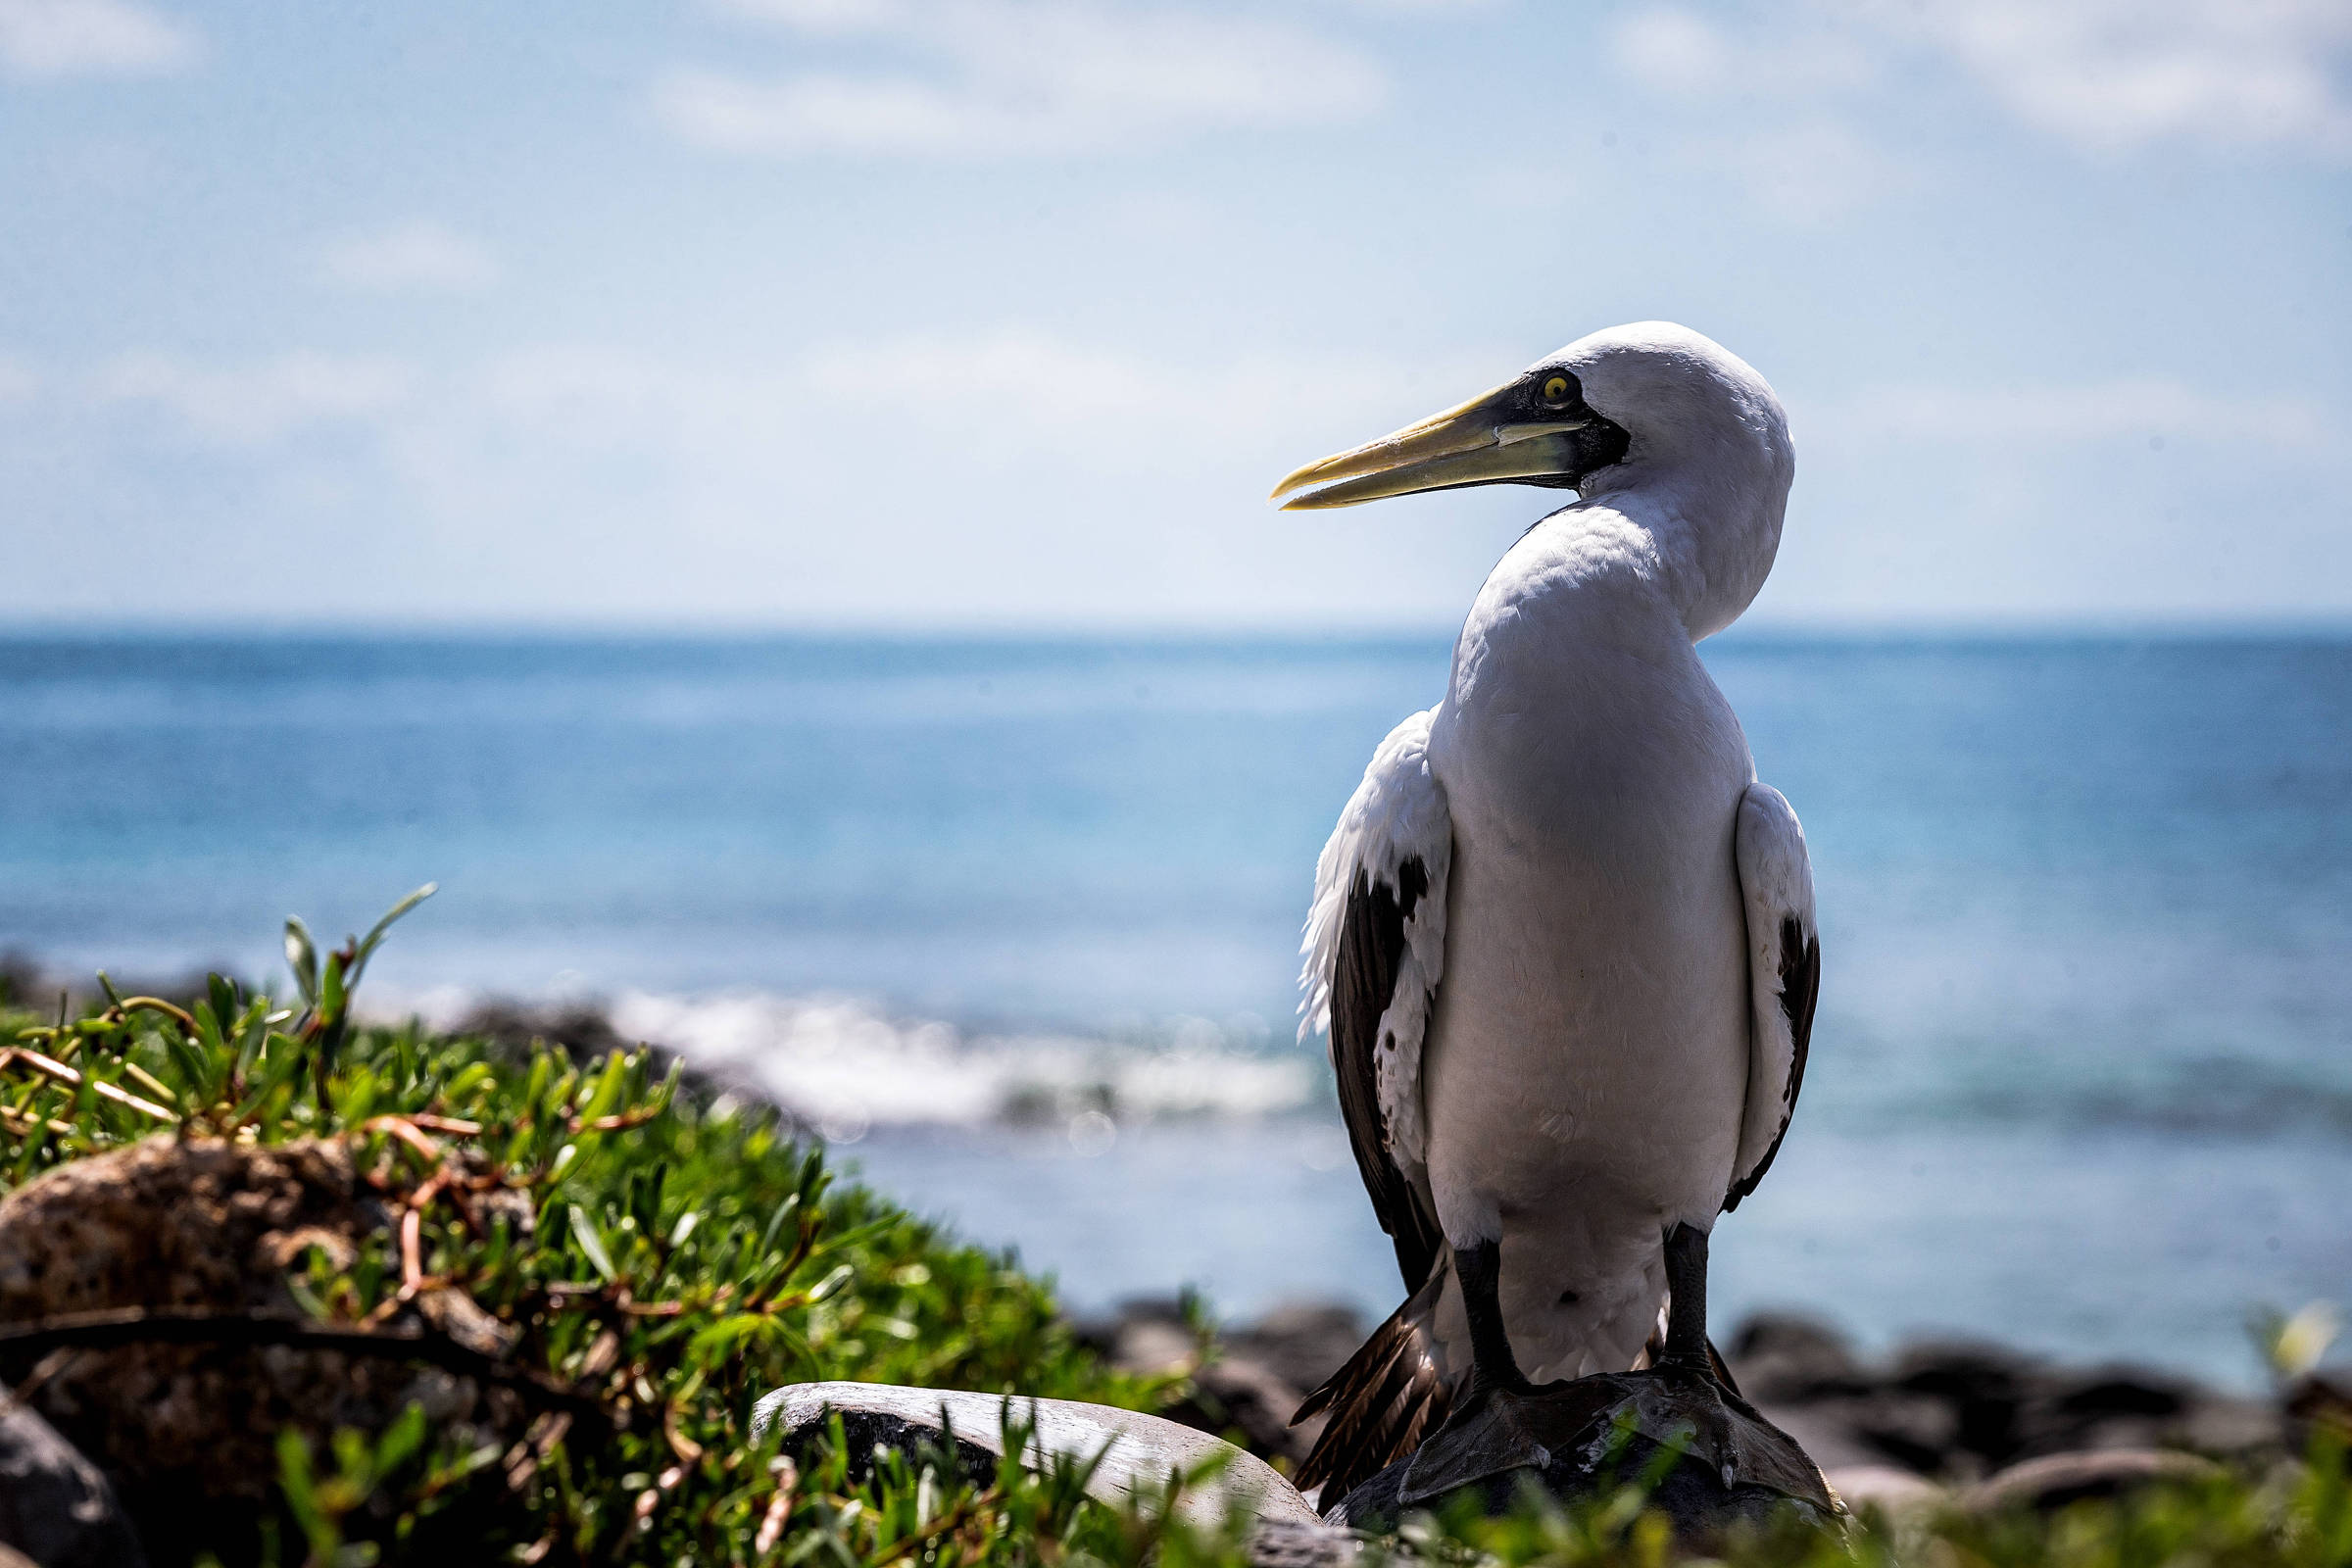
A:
{"points": [[1016, 922]]}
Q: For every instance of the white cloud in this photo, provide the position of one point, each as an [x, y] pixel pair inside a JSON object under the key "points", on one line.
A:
{"points": [[1674, 50], [995, 77], [91, 38], [1003, 472], [2106, 76], [1013, 473], [1684, 54], [986, 401], [2114, 75], [419, 255], [985, 397], [18, 382], [1789, 155], [259, 403], [2140, 408], [822, 15]]}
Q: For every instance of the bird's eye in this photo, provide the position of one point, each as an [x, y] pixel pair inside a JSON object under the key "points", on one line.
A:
{"points": [[1555, 389]]}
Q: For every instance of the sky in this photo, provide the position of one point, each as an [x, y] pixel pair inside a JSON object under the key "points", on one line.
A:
{"points": [[935, 314]]}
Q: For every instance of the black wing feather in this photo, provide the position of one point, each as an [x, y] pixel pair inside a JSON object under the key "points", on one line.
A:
{"points": [[1800, 994], [1362, 982]]}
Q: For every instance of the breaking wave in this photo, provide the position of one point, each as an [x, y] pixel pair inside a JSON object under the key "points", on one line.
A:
{"points": [[845, 1066]]}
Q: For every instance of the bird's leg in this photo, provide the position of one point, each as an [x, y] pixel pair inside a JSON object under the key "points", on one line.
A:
{"points": [[1687, 1307], [1477, 1269], [1487, 1431]]}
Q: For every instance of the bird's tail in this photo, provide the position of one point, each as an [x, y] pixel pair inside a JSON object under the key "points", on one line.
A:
{"points": [[1390, 1395]]}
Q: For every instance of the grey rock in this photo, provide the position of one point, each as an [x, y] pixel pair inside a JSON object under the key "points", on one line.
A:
{"points": [[1785, 1357], [55, 1508], [1579, 1439], [1139, 1452], [2056, 1479], [2319, 1402], [1828, 1439], [1886, 1487], [1922, 1430], [1962, 1411], [1287, 1544], [1301, 1342], [1242, 1396], [1247, 1384]]}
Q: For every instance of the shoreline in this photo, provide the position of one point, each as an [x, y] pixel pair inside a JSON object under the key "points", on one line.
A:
{"points": [[1120, 1199], [1931, 1418]]}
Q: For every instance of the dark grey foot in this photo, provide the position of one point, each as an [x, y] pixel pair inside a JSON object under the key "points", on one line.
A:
{"points": [[1487, 1432]]}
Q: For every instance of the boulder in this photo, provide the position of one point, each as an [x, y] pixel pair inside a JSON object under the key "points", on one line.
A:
{"points": [[56, 1510], [1887, 1487], [1137, 1453], [1788, 1358], [1962, 1411], [1245, 1382], [1301, 1342], [1584, 1438], [187, 1431], [2052, 1482]]}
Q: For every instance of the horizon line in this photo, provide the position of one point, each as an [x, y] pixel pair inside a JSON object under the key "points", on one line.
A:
{"points": [[2333, 625]]}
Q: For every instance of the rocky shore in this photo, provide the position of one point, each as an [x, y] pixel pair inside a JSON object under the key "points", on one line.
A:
{"points": [[1968, 1422], [217, 1238]]}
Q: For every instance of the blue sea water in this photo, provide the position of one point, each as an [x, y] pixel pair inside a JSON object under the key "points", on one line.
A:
{"points": [[2082, 1075]]}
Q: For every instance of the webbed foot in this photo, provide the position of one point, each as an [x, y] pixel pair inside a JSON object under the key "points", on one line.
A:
{"points": [[1486, 1433]]}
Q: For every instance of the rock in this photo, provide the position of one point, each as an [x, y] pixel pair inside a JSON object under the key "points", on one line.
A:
{"points": [[1240, 1390], [2056, 1479], [2229, 1426], [1139, 1451], [1591, 1434], [1920, 1431], [1150, 1336], [56, 1510], [1980, 1386], [1243, 1397], [1301, 1342], [1785, 1357], [2319, 1403], [1821, 1431], [1287, 1544], [1884, 1487], [187, 1433], [1961, 1411]]}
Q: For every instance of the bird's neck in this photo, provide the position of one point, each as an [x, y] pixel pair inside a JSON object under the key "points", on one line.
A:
{"points": [[1705, 534]]}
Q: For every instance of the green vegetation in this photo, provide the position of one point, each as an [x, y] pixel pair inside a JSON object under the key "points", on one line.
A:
{"points": [[668, 1254], [650, 1256]]}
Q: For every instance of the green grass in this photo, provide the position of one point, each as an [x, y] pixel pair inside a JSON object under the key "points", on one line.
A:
{"points": [[683, 1253]]}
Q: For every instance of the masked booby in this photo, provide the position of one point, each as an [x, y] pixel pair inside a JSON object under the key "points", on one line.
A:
{"points": [[1562, 938]]}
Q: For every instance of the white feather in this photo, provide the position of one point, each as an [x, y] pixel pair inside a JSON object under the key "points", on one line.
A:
{"points": [[1397, 813], [1775, 883]]}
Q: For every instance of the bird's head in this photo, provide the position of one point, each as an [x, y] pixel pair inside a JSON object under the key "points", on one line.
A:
{"points": [[1601, 414]]}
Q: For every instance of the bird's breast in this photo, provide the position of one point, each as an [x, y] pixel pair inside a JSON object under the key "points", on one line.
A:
{"points": [[1593, 1026]]}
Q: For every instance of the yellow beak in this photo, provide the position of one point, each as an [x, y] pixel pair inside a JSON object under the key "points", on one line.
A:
{"points": [[1473, 443]]}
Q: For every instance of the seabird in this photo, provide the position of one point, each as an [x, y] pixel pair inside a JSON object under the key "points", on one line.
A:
{"points": [[1562, 938]]}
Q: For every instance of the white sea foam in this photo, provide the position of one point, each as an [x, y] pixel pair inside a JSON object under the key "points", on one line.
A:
{"points": [[846, 1066]]}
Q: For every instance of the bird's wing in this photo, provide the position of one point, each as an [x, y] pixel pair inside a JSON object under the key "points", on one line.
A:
{"points": [[1375, 950], [1784, 970]]}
